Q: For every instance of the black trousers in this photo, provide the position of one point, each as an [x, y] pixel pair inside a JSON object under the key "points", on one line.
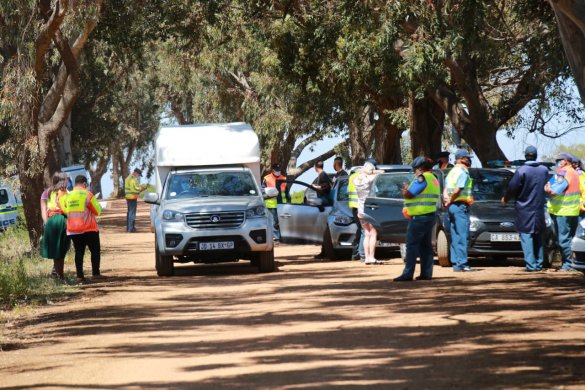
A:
{"points": [[92, 241], [358, 233]]}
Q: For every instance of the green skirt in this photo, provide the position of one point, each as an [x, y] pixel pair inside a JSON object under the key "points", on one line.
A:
{"points": [[55, 242]]}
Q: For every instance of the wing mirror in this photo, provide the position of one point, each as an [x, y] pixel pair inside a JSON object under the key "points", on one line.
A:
{"points": [[315, 202], [151, 197]]}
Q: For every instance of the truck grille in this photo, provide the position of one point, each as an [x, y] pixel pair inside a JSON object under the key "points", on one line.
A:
{"points": [[220, 220]]}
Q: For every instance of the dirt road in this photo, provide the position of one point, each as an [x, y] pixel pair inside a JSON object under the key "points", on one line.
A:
{"points": [[309, 325]]}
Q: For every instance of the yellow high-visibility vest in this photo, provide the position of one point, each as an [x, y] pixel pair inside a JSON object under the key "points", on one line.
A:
{"points": [[451, 184], [426, 201], [352, 192]]}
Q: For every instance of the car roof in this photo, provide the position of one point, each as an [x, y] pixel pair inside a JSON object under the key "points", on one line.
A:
{"points": [[386, 168]]}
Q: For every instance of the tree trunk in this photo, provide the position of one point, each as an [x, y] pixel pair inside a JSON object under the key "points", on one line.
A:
{"points": [[426, 126], [115, 174], [483, 142], [392, 152], [31, 188]]}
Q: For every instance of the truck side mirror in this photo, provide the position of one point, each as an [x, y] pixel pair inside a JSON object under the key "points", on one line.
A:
{"points": [[151, 197], [270, 192]]}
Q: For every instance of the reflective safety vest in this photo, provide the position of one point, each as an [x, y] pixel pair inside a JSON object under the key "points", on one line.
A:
{"points": [[426, 201], [81, 208], [582, 189], [567, 203], [270, 182], [53, 204], [451, 184], [352, 192], [131, 187]]}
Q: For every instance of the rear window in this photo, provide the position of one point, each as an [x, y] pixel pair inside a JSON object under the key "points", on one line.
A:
{"points": [[490, 186], [3, 196], [390, 186]]}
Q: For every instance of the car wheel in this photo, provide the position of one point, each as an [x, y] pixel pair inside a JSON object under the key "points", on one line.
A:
{"points": [[552, 258], [164, 264], [266, 261], [403, 252], [443, 249], [328, 249]]}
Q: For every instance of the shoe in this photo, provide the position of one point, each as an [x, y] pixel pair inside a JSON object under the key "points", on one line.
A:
{"points": [[374, 261], [566, 270], [423, 277], [320, 256], [532, 270], [132, 231], [464, 269], [355, 257], [80, 280], [402, 278]]}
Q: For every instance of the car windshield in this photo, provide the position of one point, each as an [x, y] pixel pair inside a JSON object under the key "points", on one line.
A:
{"points": [[390, 186], [203, 184], [490, 185]]}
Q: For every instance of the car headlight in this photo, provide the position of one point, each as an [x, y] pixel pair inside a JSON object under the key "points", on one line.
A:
{"points": [[474, 224], [256, 212], [343, 220], [170, 215], [580, 232]]}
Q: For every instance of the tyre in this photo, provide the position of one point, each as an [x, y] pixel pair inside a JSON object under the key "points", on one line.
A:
{"points": [[552, 257], [164, 264], [266, 261], [443, 249], [403, 252], [328, 249]]}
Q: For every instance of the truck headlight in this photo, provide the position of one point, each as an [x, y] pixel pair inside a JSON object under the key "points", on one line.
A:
{"points": [[256, 212], [170, 215], [343, 220], [580, 232], [474, 224]]}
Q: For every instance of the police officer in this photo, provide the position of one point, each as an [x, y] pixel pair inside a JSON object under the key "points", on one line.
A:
{"points": [[270, 180], [457, 198], [132, 190], [563, 206], [442, 161], [527, 186], [357, 252], [577, 164], [420, 203]]}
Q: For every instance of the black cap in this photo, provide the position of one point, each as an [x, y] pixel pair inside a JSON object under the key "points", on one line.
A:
{"points": [[276, 167], [138, 170], [442, 154], [530, 150]]}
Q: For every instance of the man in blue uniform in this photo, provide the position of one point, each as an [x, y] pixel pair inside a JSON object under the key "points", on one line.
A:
{"points": [[527, 186]]}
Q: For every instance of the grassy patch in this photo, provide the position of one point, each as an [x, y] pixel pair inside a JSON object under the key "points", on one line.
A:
{"points": [[25, 276]]}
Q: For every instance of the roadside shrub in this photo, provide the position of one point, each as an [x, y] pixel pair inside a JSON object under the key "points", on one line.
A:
{"points": [[24, 275]]}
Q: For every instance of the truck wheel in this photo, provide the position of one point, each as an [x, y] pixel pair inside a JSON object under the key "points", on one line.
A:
{"points": [[443, 249], [266, 261], [164, 264], [328, 249]]}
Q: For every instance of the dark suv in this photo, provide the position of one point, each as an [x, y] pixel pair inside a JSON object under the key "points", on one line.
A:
{"points": [[492, 229]]}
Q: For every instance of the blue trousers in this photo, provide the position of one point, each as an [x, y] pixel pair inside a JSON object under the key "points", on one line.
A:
{"points": [[566, 228], [275, 224], [459, 227], [131, 214], [419, 243], [533, 250], [358, 243]]}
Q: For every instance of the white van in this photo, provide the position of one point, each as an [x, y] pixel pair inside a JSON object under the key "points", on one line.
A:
{"points": [[8, 210], [72, 172], [209, 205]]}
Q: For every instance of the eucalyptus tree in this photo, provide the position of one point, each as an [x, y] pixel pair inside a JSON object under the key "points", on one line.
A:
{"points": [[481, 62], [40, 44]]}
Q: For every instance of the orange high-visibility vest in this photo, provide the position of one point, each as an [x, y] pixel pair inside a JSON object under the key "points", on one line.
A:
{"points": [[81, 208]]}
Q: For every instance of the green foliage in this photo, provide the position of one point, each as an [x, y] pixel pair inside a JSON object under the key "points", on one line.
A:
{"points": [[24, 276]]}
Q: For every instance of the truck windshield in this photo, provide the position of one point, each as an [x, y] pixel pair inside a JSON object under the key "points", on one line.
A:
{"points": [[203, 184]]}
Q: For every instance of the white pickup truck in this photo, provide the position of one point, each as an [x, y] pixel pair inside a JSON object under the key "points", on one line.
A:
{"points": [[209, 205]]}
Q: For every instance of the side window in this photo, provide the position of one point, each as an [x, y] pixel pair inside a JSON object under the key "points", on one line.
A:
{"points": [[3, 196], [390, 186], [342, 194]]}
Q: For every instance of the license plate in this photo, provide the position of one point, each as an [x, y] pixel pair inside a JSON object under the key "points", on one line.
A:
{"points": [[504, 237], [383, 244], [210, 246]]}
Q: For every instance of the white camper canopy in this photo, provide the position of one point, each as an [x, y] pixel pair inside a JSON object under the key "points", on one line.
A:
{"points": [[214, 144]]}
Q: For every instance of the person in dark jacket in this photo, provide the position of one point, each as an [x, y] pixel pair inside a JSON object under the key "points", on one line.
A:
{"points": [[527, 186]]}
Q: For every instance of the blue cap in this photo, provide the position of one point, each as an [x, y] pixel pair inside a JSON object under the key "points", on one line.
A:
{"points": [[461, 153], [530, 150], [564, 156], [418, 162]]}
